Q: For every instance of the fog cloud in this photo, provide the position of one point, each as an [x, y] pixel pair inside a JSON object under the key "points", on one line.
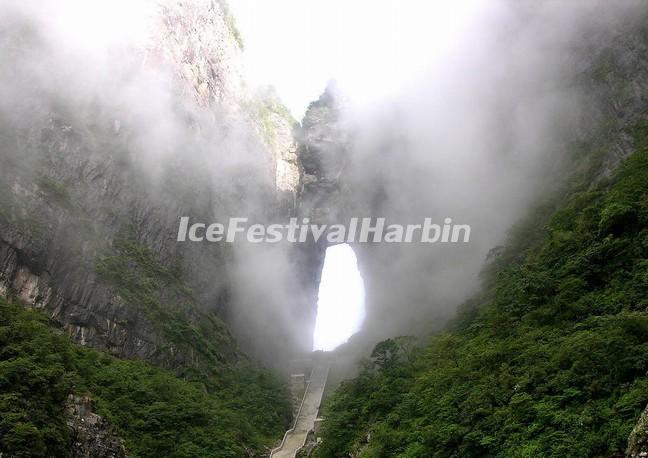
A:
{"points": [[479, 136], [475, 131]]}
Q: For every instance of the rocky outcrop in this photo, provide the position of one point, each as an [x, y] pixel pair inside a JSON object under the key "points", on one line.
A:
{"points": [[198, 41], [638, 440], [323, 155], [90, 435], [616, 90]]}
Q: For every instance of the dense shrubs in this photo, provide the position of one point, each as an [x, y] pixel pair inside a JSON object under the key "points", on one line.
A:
{"points": [[240, 410]]}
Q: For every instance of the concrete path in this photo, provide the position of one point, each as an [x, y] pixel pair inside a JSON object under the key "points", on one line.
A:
{"points": [[296, 436]]}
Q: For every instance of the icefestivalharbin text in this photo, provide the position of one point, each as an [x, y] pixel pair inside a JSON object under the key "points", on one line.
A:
{"points": [[358, 230]]}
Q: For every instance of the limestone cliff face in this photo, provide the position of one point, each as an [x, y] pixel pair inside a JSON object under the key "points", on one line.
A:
{"points": [[323, 154], [616, 90], [91, 191], [199, 43]]}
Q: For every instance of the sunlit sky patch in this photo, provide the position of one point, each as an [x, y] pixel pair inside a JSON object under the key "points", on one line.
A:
{"points": [[340, 307], [371, 48]]}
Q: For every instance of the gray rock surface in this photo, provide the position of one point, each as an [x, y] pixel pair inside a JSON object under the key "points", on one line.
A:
{"points": [[90, 181], [90, 435]]}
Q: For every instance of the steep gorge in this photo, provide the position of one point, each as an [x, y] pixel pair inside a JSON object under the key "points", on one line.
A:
{"points": [[93, 183]]}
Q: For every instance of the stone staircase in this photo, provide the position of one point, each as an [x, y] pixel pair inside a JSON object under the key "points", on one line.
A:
{"points": [[295, 437]]}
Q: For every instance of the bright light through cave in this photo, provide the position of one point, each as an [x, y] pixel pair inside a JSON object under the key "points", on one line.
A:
{"points": [[340, 306]]}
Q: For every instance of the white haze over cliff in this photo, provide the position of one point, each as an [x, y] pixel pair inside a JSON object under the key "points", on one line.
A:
{"points": [[373, 49], [457, 109]]}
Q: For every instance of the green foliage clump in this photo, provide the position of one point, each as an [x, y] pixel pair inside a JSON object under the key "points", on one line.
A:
{"points": [[264, 107], [157, 413], [143, 281], [553, 365], [54, 191], [233, 29]]}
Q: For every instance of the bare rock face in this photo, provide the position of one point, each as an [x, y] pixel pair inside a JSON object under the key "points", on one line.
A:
{"points": [[323, 154], [200, 39], [199, 42], [90, 435], [276, 127], [638, 440]]}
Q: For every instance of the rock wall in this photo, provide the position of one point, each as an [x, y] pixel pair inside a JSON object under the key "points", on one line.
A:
{"points": [[97, 170], [90, 435]]}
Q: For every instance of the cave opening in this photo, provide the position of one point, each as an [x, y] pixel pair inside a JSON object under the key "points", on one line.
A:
{"points": [[341, 299]]}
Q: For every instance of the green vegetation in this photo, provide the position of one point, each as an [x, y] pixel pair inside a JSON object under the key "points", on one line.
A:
{"points": [[54, 191], [265, 106], [233, 28], [230, 22], [553, 364], [155, 412], [142, 280]]}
